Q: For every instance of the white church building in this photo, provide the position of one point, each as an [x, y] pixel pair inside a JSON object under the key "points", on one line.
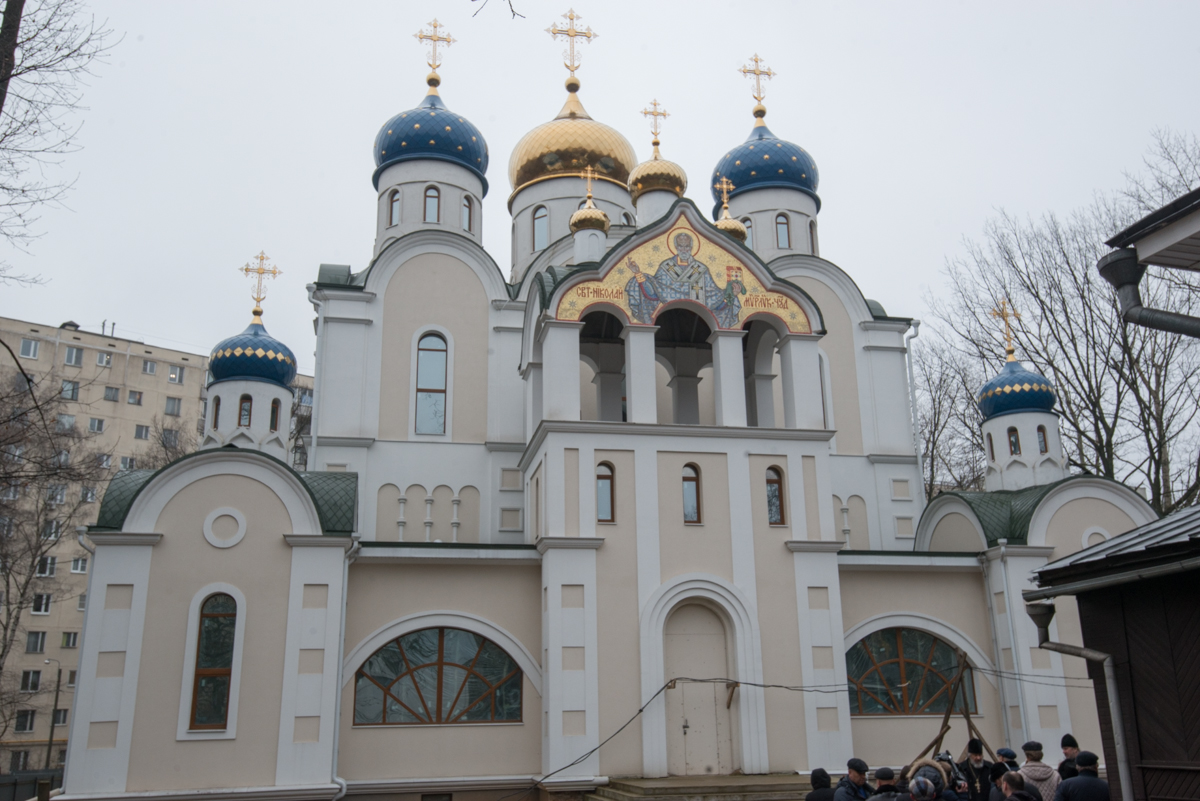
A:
{"points": [[545, 487]]}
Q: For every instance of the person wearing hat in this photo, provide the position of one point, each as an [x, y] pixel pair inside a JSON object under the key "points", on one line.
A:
{"points": [[885, 784], [821, 791], [1037, 772], [975, 770], [1010, 758], [1070, 749], [1087, 786], [997, 774], [854, 786]]}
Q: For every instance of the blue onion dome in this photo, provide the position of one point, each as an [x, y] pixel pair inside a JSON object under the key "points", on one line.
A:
{"points": [[431, 131], [764, 161], [1015, 389], [253, 355]]}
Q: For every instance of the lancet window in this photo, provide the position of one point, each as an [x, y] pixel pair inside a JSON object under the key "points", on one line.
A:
{"points": [[245, 406], [691, 494], [606, 510], [774, 497], [541, 228], [783, 234], [394, 208]]}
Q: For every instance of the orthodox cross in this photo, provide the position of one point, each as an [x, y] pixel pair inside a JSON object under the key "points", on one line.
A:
{"points": [[656, 114], [759, 73], [261, 271], [572, 33], [724, 186], [589, 174], [1006, 314], [434, 40]]}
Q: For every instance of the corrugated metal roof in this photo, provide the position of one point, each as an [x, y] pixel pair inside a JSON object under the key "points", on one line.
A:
{"points": [[1179, 528]]}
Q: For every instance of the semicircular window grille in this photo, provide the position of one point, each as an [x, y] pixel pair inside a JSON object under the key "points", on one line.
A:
{"points": [[905, 672]]}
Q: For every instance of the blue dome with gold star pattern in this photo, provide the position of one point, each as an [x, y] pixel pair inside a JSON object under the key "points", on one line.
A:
{"points": [[431, 131], [253, 355], [763, 161], [1016, 389]]}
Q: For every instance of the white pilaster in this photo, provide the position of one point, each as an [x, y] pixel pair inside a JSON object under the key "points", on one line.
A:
{"points": [[760, 399], [560, 366], [641, 405], [800, 368], [729, 393]]}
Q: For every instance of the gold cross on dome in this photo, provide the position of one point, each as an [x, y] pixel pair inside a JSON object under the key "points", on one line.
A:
{"points": [[434, 40], [656, 114], [759, 73], [572, 33], [261, 271], [1006, 314], [724, 186], [589, 174]]}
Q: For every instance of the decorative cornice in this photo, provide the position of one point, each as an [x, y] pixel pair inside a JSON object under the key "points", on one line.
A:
{"points": [[123, 538], [586, 543], [814, 546], [891, 458], [318, 541], [326, 292], [327, 441], [358, 320], [1043, 551], [890, 348], [504, 447]]}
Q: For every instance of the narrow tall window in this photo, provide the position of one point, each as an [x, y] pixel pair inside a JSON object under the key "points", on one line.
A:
{"points": [[1043, 445], [394, 208], [691, 494], [275, 415], [541, 228], [774, 497], [812, 237], [605, 508], [431, 385], [433, 201], [216, 412], [991, 449], [1014, 442], [244, 408], [214, 662], [466, 214], [749, 233], [626, 219], [782, 234]]}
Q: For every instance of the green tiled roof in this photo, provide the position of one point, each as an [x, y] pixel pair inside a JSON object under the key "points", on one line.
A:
{"points": [[334, 494], [1005, 514]]}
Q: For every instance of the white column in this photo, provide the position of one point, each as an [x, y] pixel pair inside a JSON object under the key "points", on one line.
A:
{"points": [[609, 380], [641, 403], [685, 386], [800, 366], [760, 399], [729, 394], [560, 370], [571, 689]]}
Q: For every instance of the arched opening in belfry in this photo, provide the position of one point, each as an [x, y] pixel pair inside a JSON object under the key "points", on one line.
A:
{"points": [[684, 355], [764, 384], [601, 368]]}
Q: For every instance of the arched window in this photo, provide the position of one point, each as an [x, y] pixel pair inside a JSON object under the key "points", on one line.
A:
{"points": [[541, 228], [812, 237], [1043, 445], [991, 448], [749, 233], [774, 497], [433, 202], [606, 509], [244, 408], [1014, 442], [431, 385], [394, 208], [214, 662], [437, 676], [466, 214], [275, 415], [216, 412], [783, 236], [626, 218], [691, 494], [905, 672]]}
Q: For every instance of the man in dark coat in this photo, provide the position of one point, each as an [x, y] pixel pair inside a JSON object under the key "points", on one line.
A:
{"points": [[854, 786], [821, 791], [1014, 786], [1070, 748], [997, 774], [1087, 786], [975, 769], [885, 784], [1010, 758]]}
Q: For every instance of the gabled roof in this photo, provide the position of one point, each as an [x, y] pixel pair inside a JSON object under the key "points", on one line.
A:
{"points": [[335, 495], [1162, 536]]}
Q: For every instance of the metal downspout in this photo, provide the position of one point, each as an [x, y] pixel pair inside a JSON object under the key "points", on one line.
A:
{"points": [[1012, 635], [991, 607], [318, 371], [1121, 269]]}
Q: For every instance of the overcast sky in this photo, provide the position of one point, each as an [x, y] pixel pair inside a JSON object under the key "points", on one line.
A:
{"points": [[217, 130]]}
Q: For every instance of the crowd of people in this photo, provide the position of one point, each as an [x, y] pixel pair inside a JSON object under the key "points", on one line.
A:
{"points": [[974, 779]]}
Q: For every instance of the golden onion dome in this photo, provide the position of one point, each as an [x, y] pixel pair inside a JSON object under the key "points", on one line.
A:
{"points": [[733, 227], [568, 144], [589, 218], [657, 173]]}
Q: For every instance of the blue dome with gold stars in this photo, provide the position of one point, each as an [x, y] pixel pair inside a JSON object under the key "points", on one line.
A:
{"points": [[1015, 389], [253, 355], [763, 161], [431, 131]]}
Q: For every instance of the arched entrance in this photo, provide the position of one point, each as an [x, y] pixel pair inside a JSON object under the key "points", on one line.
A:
{"points": [[699, 724]]}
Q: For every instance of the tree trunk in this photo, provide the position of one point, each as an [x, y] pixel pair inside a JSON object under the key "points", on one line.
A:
{"points": [[10, 30]]}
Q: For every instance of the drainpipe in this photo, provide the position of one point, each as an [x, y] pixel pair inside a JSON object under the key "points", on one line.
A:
{"points": [[987, 598], [1121, 269], [318, 372], [1012, 635], [912, 395], [351, 555], [1042, 614]]}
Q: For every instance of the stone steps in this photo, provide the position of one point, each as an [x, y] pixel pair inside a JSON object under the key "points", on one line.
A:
{"points": [[774, 787]]}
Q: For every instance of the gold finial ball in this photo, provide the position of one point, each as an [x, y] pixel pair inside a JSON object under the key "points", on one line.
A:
{"points": [[433, 79], [589, 218], [732, 227], [572, 84], [760, 110]]}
